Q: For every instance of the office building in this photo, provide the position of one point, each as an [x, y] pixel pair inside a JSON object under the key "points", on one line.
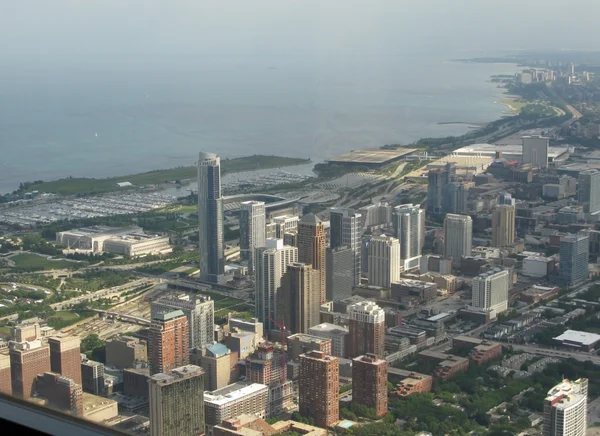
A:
{"points": [[436, 180], [210, 218], [574, 258], [312, 244], [65, 357], [26, 332], [409, 229], [503, 226], [92, 376], [338, 335], [375, 215], [299, 298], [27, 360], [301, 343], [280, 225], [199, 311], [340, 269], [168, 342], [369, 383], [61, 392], [252, 230], [588, 191], [177, 402], [454, 198], [5, 376], [506, 198], [367, 329], [216, 364], [346, 231], [565, 409], [384, 261], [123, 351], [458, 237], [271, 264], [319, 388], [490, 292], [235, 400], [535, 151]]}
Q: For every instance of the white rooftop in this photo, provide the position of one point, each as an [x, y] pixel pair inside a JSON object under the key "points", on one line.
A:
{"points": [[576, 336], [517, 149], [227, 396]]}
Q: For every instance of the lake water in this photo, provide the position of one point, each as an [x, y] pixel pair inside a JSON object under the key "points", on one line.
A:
{"points": [[99, 118]]}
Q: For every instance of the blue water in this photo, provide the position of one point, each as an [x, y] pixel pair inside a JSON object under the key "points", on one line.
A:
{"points": [[158, 113]]}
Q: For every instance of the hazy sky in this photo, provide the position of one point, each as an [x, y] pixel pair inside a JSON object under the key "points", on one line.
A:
{"points": [[292, 26]]}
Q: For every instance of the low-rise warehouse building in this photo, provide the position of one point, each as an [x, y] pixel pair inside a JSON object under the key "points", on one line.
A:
{"points": [[581, 340]]}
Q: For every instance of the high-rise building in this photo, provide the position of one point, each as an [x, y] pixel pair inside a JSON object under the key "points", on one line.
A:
{"points": [[92, 376], [319, 388], [123, 351], [384, 261], [588, 191], [235, 400], [177, 402], [5, 376], [369, 382], [299, 298], [27, 360], [574, 259], [252, 230], [565, 409], [61, 392], [65, 357], [26, 332], [199, 311], [312, 244], [168, 342], [409, 229], [454, 198], [271, 264], [346, 230], [284, 224], [340, 272], [367, 329], [458, 237], [490, 292], [503, 225], [436, 180], [210, 217], [216, 363], [338, 335], [535, 151], [375, 215], [506, 198]]}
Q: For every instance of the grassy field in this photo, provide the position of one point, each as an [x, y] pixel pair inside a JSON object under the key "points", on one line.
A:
{"points": [[72, 186], [38, 263], [514, 106]]}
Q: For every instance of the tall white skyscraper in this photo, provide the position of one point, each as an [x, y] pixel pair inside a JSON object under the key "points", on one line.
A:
{"points": [[535, 151], [384, 261], [271, 264], [458, 237], [210, 218], [490, 292], [409, 229], [565, 409], [346, 230], [252, 230], [588, 191]]}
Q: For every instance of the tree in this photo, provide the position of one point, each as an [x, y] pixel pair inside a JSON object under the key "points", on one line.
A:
{"points": [[91, 342]]}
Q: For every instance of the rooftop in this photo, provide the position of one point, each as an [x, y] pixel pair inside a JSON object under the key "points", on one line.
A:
{"points": [[372, 155], [303, 337], [217, 350], [515, 149], [94, 402], [330, 328], [583, 338], [169, 315], [233, 392]]}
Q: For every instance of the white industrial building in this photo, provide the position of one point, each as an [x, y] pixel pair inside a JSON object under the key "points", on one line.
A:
{"points": [[509, 152]]}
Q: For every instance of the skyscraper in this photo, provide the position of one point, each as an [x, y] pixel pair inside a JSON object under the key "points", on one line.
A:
{"points": [[454, 198], [384, 261], [92, 377], [177, 402], [565, 409], [574, 259], [298, 300], [369, 382], [65, 357], [199, 311], [27, 360], [168, 342], [436, 180], [252, 230], [319, 388], [535, 151], [340, 272], [346, 230], [409, 229], [5, 377], [506, 198], [367, 329], [271, 264], [458, 237], [588, 191], [503, 225], [490, 292], [312, 244], [210, 217]]}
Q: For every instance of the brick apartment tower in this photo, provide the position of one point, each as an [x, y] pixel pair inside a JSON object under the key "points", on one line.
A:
{"points": [[168, 342], [65, 357], [319, 388], [5, 378], [369, 383], [27, 361], [312, 248], [367, 329], [61, 392]]}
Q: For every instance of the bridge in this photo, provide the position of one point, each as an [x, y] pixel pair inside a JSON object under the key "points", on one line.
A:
{"points": [[123, 317]]}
